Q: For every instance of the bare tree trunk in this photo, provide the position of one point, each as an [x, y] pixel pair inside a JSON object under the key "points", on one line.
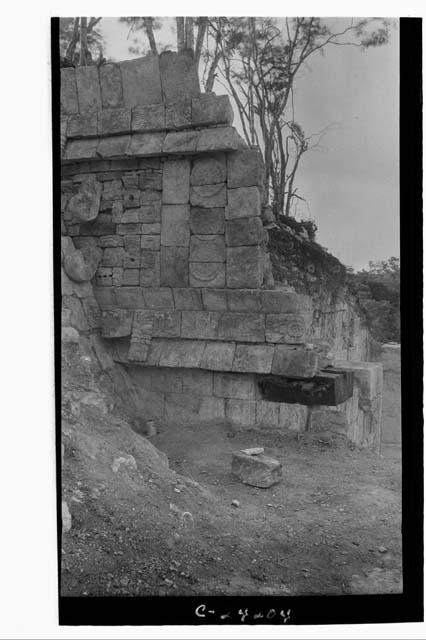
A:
{"points": [[83, 42], [180, 27], [69, 54], [202, 28], [150, 33], [189, 33], [212, 71]]}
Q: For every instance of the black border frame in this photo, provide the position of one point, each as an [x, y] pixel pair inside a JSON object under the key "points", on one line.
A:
{"points": [[309, 610]]}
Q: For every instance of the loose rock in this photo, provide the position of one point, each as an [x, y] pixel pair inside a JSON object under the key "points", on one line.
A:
{"points": [[257, 471]]}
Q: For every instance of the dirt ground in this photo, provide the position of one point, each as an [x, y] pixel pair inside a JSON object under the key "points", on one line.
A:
{"points": [[331, 526]]}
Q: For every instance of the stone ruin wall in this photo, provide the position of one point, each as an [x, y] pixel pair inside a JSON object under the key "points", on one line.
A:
{"points": [[165, 254]]}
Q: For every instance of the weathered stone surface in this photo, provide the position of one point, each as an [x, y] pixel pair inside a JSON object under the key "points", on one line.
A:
{"points": [[146, 144], [257, 471], [253, 358], [267, 413], [219, 139], [212, 409], [218, 356], [82, 125], [129, 229], [288, 328], [207, 248], [276, 301], [178, 114], [244, 267], [88, 88], [197, 382], [130, 277], [180, 142], [245, 169], [244, 232], [244, 300], [92, 312], [84, 205], [129, 298], [109, 276], [176, 181], [328, 420], [113, 147], [111, 87], [154, 352], [150, 242], [105, 297], [208, 109], [151, 180], [174, 266], [132, 247], [113, 257], [294, 362], [112, 190], [200, 324], [151, 229], [234, 385], [76, 315], [182, 353], [69, 100], [209, 170], [116, 323], [149, 197], [175, 225], [181, 407], [150, 117], [207, 274], [132, 216], [150, 277], [241, 413], [141, 81], [243, 327], [187, 299], [81, 149], [139, 346], [148, 259], [111, 121], [368, 377], [214, 299], [390, 433], [208, 195], [158, 298], [207, 221], [164, 324], [117, 211], [179, 78], [81, 265], [243, 202]]}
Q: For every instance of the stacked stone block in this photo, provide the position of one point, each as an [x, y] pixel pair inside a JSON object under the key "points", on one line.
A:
{"points": [[192, 395], [162, 200]]}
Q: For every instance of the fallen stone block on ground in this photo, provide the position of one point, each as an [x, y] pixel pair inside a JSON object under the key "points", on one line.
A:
{"points": [[256, 470]]}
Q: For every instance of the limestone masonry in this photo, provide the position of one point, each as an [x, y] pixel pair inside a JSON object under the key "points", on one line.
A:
{"points": [[165, 254]]}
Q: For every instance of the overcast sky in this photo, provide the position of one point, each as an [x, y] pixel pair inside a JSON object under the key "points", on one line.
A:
{"points": [[351, 183]]}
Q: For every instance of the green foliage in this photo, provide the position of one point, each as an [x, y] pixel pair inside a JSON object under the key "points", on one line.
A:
{"points": [[378, 291]]}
